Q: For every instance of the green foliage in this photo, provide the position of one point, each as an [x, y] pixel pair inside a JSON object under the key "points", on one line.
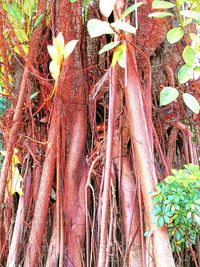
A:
{"points": [[191, 102], [130, 9], [119, 56], [24, 18], [3, 104], [97, 28], [191, 52], [191, 14], [174, 35], [185, 74], [160, 15], [108, 47], [167, 95], [177, 205], [162, 4]]}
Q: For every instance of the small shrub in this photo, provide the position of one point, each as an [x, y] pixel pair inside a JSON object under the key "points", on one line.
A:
{"points": [[177, 204]]}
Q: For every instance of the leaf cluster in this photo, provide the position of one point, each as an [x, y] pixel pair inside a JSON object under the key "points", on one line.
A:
{"points": [[191, 53], [177, 205]]}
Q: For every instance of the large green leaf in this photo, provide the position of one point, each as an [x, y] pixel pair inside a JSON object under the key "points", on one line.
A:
{"points": [[120, 25], [162, 4], [191, 102], [97, 28], [108, 47], [12, 10], [167, 95], [174, 35], [160, 15], [185, 74], [106, 7], [131, 9], [189, 55]]}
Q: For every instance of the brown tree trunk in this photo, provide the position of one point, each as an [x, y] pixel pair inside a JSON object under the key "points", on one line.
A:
{"points": [[144, 161]]}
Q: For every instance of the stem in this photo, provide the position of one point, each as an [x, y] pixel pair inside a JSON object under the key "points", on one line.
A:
{"points": [[107, 177]]}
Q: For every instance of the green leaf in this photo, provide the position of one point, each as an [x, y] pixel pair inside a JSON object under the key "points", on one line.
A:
{"points": [[191, 102], [131, 9], [28, 7], [177, 235], [177, 207], [160, 221], [174, 35], [24, 47], [97, 28], [117, 53], [108, 47], [162, 4], [167, 95], [122, 60], [195, 38], [166, 218], [120, 25], [160, 15], [191, 14], [72, 1], [34, 95], [189, 55], [147, 233], [185, 74], [12, 10], [21, 35], [38, 20], [187, 22], [106, 7]]}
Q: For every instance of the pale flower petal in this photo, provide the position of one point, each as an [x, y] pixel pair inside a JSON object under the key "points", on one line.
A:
{"points": [[54, 69], [69, 47], [53, 53]]}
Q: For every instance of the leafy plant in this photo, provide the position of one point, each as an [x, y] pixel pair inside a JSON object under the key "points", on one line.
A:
{"points": [[190, 54], [97, 28], [169, 94], [59, 52], [177, 205]]}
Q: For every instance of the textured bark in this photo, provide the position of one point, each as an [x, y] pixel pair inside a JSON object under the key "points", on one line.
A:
{"points": [[144, 161], [41, 208], [130, 215]]}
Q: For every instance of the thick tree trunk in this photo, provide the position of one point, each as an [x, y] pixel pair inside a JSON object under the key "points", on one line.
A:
{"points": [[144, 161]]}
